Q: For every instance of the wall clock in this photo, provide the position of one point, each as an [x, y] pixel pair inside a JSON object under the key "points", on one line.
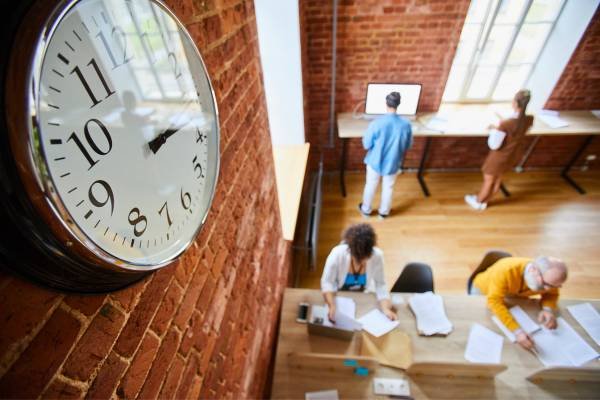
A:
{"points": [[112, 145]]}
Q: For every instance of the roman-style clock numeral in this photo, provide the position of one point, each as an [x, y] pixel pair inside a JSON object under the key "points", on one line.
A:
{"points": [[104, 187], [186, 200], [86, 85], [197, 167], [166, 208], [91, 142]]}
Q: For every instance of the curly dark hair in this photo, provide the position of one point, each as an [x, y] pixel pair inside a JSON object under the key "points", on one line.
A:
{"points": [[360, 238]]}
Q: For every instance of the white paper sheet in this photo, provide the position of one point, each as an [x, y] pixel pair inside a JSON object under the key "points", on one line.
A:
{"points": [[344, 314], [588, 318], [484, 345], [437, 123], [526, 323], [429, 312], [376, 323], [509, 335], [553, 121], [596, 113], [322, 395], [563, 346]]}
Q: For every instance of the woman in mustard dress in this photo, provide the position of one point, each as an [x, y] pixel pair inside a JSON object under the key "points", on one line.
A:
{"points": [[505, 142]]}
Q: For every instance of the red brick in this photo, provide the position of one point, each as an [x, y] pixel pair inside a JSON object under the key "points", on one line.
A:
{"points": [[189, 300], [135, 376], [193, 329], [142, 314], [129, 296], [172, 380], [87, 305], [19, 318], [37, 365], [93, 346], [108, 377], [161, 364], [62, 390], [167, 309], [190, 372]]}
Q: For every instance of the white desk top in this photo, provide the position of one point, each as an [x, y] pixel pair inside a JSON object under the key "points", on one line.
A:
{"points": [[473, 120]]}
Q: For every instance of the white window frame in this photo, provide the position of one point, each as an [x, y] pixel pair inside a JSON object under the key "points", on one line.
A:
{"points": [[485, 30]]}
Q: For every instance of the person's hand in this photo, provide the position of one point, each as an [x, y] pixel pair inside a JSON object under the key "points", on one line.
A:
{"points": [[390, 314], [547, 318], [525, 340], [331, 314]]}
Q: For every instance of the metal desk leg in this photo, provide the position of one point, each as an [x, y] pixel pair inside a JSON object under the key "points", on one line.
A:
{"points": [[504, 190], [343, 166], [565, 172], [422, 166]]}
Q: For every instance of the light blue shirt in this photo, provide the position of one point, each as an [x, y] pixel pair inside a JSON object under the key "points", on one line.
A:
{"points": [[386, 140]]}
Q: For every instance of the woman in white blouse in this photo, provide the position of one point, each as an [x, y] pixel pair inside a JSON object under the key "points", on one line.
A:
{"points": [[356, 265]]}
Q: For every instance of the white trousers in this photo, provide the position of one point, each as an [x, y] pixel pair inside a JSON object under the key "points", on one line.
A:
{"points": [[387, 189]]}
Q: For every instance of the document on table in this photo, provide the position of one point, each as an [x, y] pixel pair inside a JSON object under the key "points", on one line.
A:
{"points": [[552, 119], [588, 318], [437, 123], [526, 323], [484, 345], [322, 395], [376, 323], [429, 312], [345, 313], [563, 346]]}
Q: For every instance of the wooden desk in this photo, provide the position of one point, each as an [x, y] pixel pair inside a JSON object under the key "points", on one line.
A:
{"points": [[290, 168], [472, 121], [292, 382]]}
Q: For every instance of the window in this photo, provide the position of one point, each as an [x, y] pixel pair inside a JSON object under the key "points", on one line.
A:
{"points": [[499, 46]]}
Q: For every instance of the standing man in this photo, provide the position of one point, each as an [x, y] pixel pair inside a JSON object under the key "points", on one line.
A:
{"points": [[386, 140]]}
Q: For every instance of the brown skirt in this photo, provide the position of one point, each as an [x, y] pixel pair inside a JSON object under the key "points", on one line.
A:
{"points": [[497, 163]]}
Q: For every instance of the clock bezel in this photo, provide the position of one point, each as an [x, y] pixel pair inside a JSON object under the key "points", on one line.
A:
{"points": [[25, 140]]}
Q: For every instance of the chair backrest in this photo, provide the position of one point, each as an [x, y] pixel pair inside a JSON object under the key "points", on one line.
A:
{"points": [[416, 277], [488, 260]]}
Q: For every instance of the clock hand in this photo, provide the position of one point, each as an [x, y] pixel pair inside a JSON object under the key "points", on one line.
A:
{"points": [[156, 143]]}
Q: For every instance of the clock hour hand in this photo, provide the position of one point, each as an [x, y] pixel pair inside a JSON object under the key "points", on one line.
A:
{"points": [[156, 143]]}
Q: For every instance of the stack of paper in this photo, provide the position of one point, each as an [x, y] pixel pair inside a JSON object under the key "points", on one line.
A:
{"points": [[552, 119], [588, 318], [429, 312], [376, 323], [557, 347], [483, 346]]}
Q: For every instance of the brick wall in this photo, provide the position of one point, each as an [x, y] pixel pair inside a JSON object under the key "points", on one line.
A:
{"points": [[415, 41], [204, 327], [579, 84]]}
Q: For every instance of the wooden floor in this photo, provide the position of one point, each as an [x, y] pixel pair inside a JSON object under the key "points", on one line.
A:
{"points": [[544, 215]]}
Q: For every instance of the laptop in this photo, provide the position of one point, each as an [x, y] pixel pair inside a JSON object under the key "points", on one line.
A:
{"points": [[318, 324]]}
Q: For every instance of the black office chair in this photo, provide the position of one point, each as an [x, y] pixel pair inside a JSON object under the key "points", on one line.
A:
{"points": [[488, 260], [416, 277]]}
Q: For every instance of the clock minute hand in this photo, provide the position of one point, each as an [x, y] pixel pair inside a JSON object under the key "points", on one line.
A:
{"points": [[156, 143]]}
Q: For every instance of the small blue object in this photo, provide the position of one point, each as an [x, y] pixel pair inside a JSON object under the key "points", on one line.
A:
{"points": [[350, 363], [361, 371]]}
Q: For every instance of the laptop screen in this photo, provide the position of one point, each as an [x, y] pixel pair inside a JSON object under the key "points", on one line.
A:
{"points": [[409, 97]]}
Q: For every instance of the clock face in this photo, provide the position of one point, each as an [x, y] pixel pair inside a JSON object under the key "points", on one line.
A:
{"points": [[125, 130]]}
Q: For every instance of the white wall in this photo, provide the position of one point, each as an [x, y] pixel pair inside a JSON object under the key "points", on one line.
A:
{"points": [[563, 41], [278, 25]]}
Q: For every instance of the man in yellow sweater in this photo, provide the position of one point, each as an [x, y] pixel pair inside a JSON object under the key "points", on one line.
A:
{"points": [[522, 277]]}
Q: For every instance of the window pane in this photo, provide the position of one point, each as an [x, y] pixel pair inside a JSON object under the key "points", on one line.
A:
{"points": [[455, 82], [543, 10], [477, 11], [497, 45], [482, 82], [511, 80], [467, 43], [510, 11], [529, 43]]}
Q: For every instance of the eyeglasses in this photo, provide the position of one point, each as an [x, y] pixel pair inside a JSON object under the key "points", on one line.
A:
{"points": [[545, 284]]}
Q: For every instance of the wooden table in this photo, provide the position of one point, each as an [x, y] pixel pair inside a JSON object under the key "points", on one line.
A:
{"points": [[291, 382], [472, 121], [290, 168]]}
